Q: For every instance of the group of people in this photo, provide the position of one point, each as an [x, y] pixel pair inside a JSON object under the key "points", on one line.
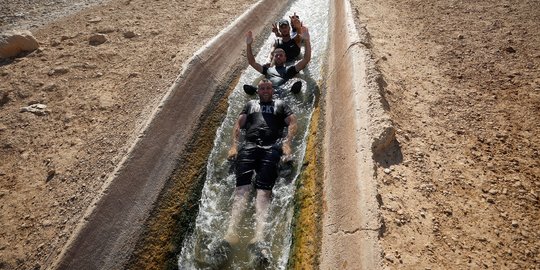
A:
{"points": [[270, 126]]}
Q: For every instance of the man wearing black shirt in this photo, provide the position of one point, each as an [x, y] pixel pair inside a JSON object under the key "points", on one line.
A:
{"points": [[280, 72], [264, 122], [284, 40]]}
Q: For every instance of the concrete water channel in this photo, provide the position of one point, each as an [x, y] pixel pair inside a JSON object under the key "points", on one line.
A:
{"points": [[172, 192], [215, 203]]}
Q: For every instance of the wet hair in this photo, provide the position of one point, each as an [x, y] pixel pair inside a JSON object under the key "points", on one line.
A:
{"points": [[265, 81], [278, 49]]}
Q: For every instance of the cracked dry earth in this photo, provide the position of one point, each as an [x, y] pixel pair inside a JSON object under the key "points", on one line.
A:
{"points": [[458, 188]]}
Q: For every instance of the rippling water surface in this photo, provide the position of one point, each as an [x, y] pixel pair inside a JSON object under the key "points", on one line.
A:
{"points": [[217, 194]]}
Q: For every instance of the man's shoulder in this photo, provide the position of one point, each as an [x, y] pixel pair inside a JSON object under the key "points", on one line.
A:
{"points": [[280, 103]]}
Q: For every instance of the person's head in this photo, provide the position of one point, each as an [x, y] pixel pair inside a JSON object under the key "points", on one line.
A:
{"points": [[284, 28], [279, 57], [265, 90]]}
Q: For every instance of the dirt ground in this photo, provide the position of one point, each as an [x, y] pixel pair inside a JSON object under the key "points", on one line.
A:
{"points": [[53, 165], [459, 188]]}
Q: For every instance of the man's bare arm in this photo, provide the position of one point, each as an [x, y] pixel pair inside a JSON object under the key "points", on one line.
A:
{"points": [[249, 53], [233, 151], [291, 131], [307, 53]]}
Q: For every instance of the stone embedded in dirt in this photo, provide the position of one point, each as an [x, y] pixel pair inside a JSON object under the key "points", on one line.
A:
{"points": [[510, 49], [50, 87], [95, 20], [4, 97], [14, 42], [97, 39], [129, 34], [58, 71], [390, 258], [54, 43], [106, 30], [37, 109], [50, 175], [387, 171]]}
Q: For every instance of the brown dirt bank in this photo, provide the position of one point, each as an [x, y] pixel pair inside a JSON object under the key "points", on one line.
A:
{"points": [[460, 187], [53, 166]]}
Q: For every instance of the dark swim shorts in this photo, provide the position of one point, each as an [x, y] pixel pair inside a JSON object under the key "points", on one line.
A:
{"points": [[263, 161]]}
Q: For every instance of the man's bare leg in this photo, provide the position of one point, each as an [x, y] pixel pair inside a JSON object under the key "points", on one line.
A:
{"points": [[239, 206], [262, 204]]}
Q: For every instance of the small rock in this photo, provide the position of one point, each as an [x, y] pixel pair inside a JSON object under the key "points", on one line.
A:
{"points": [[129, 34], [387, 171], [97, 39], [448, 212], [4, 98], [510, 49], [58, 71], [106, 30], [515, 224], [54, 43], [95, 20], [14, 42], [390, 258], [49, 87], [37, 109], [50, 174]]}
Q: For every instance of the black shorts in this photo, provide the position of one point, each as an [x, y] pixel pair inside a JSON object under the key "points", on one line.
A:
{"points": [[263, 161]]}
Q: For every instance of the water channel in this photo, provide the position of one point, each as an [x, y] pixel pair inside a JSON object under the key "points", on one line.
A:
{"points": [[217, 193]]}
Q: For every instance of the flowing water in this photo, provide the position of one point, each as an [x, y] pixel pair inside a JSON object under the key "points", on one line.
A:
{"points": [[217, 194]]}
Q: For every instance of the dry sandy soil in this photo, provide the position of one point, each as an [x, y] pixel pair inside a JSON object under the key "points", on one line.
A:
{"points": [[459, 188]]}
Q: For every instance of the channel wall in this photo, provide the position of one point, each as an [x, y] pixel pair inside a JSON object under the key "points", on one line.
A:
{"points": [[355, 127]]}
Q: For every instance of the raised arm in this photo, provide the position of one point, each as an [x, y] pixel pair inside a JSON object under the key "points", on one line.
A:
{"points": [[297, 24], [307, 53], [233, 151], [249, 53]]}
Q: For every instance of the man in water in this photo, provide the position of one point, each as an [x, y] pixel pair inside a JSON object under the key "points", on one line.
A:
{"points": [[280, 73], [290, 43], [265, 144]]}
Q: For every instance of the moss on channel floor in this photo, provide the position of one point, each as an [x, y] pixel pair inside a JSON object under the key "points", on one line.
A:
{"points": [[174, 215], [308, 208]]}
